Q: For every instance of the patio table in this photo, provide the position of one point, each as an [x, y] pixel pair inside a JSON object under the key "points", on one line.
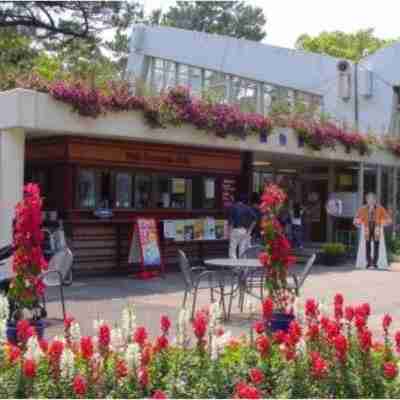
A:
{"points": [[238, 268]]}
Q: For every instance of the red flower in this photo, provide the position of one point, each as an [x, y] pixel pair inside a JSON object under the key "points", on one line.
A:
{"points": [[24, 330], [161, 343], [360, 322], [44, 345], [279, 337], [390, 370], [86, 347], [200, 324], [386, 322], [259, 327], [140, 336], [121, 369], [365, 340], [29, 368], [14, 353], [295, 332], [158, 394], [79, 385], [313, 332], [341, 347], [349, 313], [267, 308], [143, 376], [68, 322], [263, 345], [146, 355], [165, 324], [311, 308], [256, 376], [265, 259], [339, 300], [338, 312], [245, 391], [397, 340], [104, 336], [319, 367], [55, 350]]}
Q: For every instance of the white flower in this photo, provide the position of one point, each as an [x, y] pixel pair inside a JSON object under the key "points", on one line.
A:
{"points": [[67, 364], [33, 350], [182, 330], [97, 323], [116, 339], [75, 332], [323, 307], [132, 356], [4, 308], [215, 314], [218, 344], [3, 330], [128, 321]]}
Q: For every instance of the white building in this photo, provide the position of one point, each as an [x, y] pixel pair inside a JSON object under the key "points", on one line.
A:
{"points": [[256, 75]]}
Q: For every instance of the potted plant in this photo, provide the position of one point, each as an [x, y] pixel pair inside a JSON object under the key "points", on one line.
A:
{"points": [[333, 253], [393, 243], [277, 258], [27, 287]]}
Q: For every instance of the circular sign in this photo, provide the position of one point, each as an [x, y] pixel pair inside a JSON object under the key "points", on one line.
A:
{"points": [[334, 207]]}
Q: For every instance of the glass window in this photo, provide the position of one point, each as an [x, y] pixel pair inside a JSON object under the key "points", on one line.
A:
{"points": [[173, 192], [86, 189], [209, 193], [143, 191], [123, 190]]}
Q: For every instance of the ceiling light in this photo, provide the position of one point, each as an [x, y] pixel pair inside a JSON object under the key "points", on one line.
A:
{"points": [[261, 163]]}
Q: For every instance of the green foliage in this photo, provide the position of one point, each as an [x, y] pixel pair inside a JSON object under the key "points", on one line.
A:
{"points": [[231, 18], [351, 46], [334, 249], [393, 243]]}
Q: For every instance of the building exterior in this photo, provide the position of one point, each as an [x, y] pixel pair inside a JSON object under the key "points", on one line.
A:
{"points": [[181, 173]]}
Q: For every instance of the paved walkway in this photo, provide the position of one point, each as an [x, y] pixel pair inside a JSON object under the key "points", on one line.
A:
{"points": [[104, 297]]}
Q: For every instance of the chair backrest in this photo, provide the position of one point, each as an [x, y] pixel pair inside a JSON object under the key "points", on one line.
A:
{"points": [[62, 262], [252, 252], [185, 268], [307, 270]]}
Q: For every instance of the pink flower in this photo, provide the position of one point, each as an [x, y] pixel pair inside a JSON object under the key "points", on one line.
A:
{"points": [[140, 336], [263, 345], [104, 336], [386, 322], [267, 308], [256, 376], [165, 323], [29, 368], [86, 347], [158, 394], [200, 323], [259, 327]]}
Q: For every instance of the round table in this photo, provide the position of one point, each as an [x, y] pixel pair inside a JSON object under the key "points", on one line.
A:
{"points": [[234, 263]]}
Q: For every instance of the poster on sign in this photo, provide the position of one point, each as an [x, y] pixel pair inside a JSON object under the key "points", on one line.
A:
{"points": [[145, 248], [228, 192]]}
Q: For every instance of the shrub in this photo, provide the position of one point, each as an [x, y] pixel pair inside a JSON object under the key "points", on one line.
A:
{"points": [[334, 249]]}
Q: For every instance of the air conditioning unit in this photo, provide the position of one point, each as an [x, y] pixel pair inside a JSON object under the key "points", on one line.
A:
{"points": [[365, 84]]}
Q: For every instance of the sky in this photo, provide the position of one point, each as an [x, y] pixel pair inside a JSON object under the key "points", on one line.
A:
{"points": [[288, 19]]}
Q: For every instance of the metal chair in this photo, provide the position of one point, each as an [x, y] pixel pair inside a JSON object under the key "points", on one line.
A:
{"points": [[251, 278], [298, 280], [199, 278], [59, 274]]}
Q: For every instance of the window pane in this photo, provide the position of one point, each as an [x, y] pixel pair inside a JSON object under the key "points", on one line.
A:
{"points": [[123, 190], [86, 189], [209, 193], [142, 191]]}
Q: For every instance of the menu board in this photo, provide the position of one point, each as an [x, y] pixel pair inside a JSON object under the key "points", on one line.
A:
{"points": [[228, 192], [145, 244]]}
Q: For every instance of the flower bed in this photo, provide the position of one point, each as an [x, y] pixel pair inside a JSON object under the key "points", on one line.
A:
{"points": [[177, 106], [325, 356]]}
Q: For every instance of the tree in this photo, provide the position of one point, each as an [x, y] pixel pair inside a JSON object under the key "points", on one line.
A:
{"points": [[231, 18], [65, 20], [351, 46]]}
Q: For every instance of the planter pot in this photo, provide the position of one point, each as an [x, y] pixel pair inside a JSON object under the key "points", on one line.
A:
{"points": [[332, 260], [279, 322], [39, 326], [263, 137], [300, 141]]}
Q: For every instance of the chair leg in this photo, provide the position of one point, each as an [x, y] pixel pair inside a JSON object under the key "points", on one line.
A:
{"points": [[194, 300], [184, 298], [222, 300], [62, 301]]}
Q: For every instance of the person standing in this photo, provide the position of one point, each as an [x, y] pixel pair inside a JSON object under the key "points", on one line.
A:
{"points": [[242, 220], [372, 218], [297, 225], [255, 205]]}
